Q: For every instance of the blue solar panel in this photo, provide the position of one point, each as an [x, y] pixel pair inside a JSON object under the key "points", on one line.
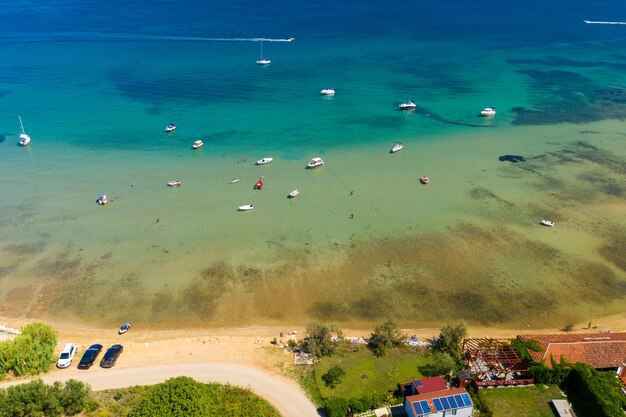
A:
{"points": [[459, 401], [445, 403], [418, 382], [418, 408], [452, 402], [466, 399], [438, 405], [425, 407]]}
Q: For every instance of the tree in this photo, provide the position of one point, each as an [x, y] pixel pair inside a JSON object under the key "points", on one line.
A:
{"points": [[333, 376], [322, 339], [74, 396], [439, 363], [385, 336], [30, 353], [450, 340]]}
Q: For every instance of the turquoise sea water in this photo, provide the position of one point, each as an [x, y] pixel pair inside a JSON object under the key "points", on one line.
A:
{"points": [[96, 84]]}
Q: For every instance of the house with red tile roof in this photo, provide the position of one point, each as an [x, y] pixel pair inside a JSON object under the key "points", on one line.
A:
{"points": [[600, 350], [433, 398]]}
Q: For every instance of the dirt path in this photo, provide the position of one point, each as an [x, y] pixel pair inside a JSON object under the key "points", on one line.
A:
{"points": [[282, 393]]}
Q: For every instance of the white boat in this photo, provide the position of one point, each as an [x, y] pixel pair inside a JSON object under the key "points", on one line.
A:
{"points": [[246, 207], [24, 138], [102, 200], [397, 147], [547, 223], [263, 61], [197, 144], [488, 112], [234, 180], [424, 180], [174, 183], [409, 105], [294, 193], [315, 162], [264, 161], [328, 92], [170, 128]]}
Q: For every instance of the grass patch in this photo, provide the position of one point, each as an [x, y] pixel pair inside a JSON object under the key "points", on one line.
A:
{"points": [[526, 401], [117, 402], [365, 373]]}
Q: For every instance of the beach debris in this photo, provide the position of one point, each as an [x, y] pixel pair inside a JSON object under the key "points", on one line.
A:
{"points": [[512, 158], [301, 358]]}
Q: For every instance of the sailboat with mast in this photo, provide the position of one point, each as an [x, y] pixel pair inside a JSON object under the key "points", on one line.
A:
{"points": [[24, 138], [263, 61]]}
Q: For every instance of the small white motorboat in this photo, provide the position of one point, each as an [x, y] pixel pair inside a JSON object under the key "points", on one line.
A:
{"points": [[328, 92], [294, 193], [264, 161], [547, 223], [409, 105], [102, 200], [488, 112], [24, 138], [234, 180], [424, 180], [124, 328], [315, 162], [246, 207], [197, 144], [397, 147], [170, 128], [174, 183], [264, 61]]}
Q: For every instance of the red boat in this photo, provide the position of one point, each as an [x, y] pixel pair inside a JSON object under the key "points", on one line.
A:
{"points": [[258, 185]]}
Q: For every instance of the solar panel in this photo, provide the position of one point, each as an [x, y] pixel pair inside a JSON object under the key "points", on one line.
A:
{"points": [[418, 382], [438, 405], [452, 402], [459, 401], [466, 399], [418, 408], [425, 407], [445, 403]]}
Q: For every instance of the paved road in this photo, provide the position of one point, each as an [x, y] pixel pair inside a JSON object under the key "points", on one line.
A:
{"points": [[282, 393]]}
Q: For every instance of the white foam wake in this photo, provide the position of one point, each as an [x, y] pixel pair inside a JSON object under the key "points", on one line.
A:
{"points": [[592, 22]]}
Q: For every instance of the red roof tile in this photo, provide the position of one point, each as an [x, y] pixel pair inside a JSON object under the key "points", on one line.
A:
{"points": [[600, 350], [426, 385]]}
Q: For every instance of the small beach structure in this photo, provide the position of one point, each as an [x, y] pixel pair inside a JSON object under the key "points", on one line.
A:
{"points": [[315, 162]]}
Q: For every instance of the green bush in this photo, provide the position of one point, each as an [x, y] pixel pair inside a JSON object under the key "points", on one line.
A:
{"points": [[385, 336], [185, 397], [38, 399], [594, 393], [322, 339], [361, 404], [336, 407], [30, 353], [333, 377], [439, 363], [551, 376]]}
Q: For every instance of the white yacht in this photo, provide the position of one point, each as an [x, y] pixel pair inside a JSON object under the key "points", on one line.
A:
{"points": [[488, 112], [294, 193], [547, 223], [264, 161], [328, 92], [170, 128], [24, 138], [197, 144], [315, 162], [263, 61], [174, 183], [397, 147], [409, 105], [246, 207]]}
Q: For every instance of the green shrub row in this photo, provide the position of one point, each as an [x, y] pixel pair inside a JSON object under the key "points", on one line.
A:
{"points": [[30, 353], [38, 399], [339, 407]]}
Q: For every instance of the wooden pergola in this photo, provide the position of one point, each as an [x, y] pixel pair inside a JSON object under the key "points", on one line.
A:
{"points": [[493, 359]]}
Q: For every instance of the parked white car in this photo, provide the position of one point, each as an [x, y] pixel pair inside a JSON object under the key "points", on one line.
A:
{"points": [[67, 354]]}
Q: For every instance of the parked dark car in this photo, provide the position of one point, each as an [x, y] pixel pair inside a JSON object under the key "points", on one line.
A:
{"points": [[89, 357], [111, 355]]}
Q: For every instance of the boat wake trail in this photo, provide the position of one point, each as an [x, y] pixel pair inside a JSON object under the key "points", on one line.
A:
{"points": [[127, 37], [592, 22]]}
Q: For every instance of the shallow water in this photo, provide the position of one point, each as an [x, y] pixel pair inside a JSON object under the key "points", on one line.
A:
{"points": [[364, 240]]}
